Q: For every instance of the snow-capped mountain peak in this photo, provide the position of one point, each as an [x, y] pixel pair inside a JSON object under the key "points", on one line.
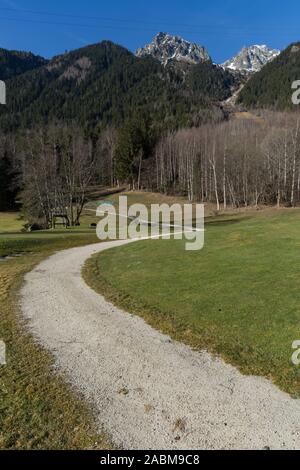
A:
{"points": [[251, 59], [166, 47]]}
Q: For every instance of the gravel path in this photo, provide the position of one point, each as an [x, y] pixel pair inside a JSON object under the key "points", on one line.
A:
{"points": [[148, 391]]}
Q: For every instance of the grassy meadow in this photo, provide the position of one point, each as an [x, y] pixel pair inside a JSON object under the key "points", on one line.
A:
{"points": [[10, 222], [239, 297]]}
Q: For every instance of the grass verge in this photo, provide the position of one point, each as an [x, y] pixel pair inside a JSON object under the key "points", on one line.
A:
{"points": [[38, 409]]}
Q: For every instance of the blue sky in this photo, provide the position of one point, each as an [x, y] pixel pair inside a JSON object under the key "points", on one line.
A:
{"points": [[222, 26]]}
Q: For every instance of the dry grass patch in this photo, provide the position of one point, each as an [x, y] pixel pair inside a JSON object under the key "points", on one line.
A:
{"points": [[38, 409]]}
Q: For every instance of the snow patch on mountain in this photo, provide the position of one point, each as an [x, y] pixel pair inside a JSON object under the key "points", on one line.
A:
{"points": [[251, 59]]}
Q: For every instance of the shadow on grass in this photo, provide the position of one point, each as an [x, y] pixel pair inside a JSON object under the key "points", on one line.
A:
{"points": [[224, 222]]}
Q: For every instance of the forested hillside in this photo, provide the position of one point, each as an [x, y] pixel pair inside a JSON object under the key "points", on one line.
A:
{"points": [[104, 84], [271, 87], [14, 63], [100, 115], [212, 81]]}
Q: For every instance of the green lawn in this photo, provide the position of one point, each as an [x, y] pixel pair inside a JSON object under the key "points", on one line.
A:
{"points": [[239, 297], [38, 410], [147, 198], [10, 222]]}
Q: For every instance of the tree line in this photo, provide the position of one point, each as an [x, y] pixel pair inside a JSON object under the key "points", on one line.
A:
{"points": [[51, 169], [237, 163]]}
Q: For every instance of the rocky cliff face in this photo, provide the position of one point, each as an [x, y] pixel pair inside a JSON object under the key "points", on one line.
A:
{"points": [[166, 48], [251, 59]]}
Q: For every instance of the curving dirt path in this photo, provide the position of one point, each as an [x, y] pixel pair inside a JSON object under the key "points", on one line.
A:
{"points": [[148, 391]]}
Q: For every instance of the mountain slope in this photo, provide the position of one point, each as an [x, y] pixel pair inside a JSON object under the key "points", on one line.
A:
{"points": [[271, 87], [104, 84], [13, 63], [251, 59], [212, 81], [166, 48]]}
